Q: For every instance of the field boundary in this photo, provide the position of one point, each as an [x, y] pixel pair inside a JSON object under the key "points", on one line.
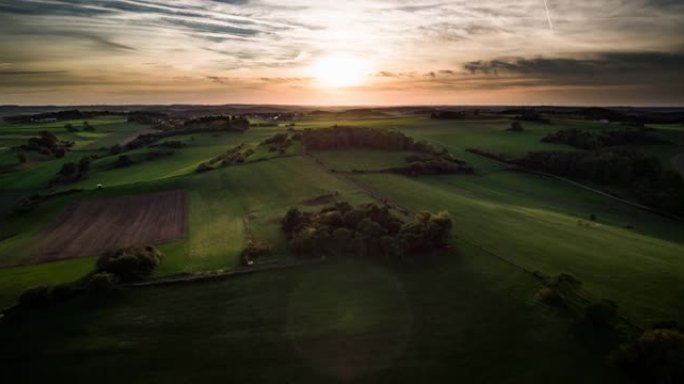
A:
{"points": [[206, 276]]}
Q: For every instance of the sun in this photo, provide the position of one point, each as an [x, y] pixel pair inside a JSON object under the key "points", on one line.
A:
{"points": [[340, 70]]}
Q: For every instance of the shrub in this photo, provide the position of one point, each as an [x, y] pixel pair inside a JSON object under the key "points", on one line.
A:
{"points": [[601, 314], [565, 283], [124, 161], [35, 297], [102, 284], [255, 248], [204, 167], [516, 127], [550, 296], [129, 264], [46, 295], [657, 357]]}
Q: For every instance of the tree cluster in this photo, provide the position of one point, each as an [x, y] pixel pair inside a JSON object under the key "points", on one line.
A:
{"points": [[516, 126], [532, 116], [71, 172], [434, 164], [601, 138], [47, 143], [280, 142], [44, 295], [657, 357], [447, 115], [240, 123], [130, 264], [365, 231]]}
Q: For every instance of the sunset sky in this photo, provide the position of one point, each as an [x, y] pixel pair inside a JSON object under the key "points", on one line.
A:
{"points": [[380, 52]]}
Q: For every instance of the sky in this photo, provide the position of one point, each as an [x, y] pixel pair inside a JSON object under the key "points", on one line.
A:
{"points": [[352, 52]]}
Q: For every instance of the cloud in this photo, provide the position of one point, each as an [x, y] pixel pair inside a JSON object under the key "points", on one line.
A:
{"points": [[607, 64], [257, 45]]}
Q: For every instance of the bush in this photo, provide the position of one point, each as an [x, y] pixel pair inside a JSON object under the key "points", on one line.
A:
{"points": [[255, 248], [45, 295], [601, 314], [550, 296], [657, 357], [130, 264], [516, 127], [565, 283], [102, 284], [124, 161], [35, 297]]}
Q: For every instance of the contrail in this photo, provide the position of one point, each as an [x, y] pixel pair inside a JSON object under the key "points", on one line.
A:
{"points": [[548, 14]]}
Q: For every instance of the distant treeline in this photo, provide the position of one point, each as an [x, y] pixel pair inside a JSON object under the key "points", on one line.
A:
{"points": [[237, 125], [73, 114], [228, 120], [341, 137], [447, 115], [601, 138]]}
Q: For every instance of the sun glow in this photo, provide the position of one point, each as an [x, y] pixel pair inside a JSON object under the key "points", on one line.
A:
{"points": [[339, 71]]}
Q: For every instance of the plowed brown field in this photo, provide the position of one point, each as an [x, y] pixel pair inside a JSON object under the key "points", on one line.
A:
{"points": [[95, 227]]}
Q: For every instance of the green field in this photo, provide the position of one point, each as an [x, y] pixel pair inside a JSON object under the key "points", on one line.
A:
{"points": [[469, 315]]}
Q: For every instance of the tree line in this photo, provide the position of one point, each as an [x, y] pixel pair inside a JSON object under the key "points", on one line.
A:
{"points": [[642, 174]]}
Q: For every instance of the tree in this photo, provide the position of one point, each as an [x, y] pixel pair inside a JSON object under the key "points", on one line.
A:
{"points": [[601, 314], [516, 126], [565, 283], [102, 284], [35, 297], [129, 264], [657, 357]]}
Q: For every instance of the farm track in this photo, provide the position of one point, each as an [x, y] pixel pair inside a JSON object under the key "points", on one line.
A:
{"points": [[208, 276]]}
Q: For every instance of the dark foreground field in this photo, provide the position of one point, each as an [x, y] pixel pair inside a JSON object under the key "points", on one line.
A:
{"points": [[464, 318]]}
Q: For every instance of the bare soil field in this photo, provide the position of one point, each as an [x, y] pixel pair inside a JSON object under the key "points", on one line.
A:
{"points": [[94, 227]]}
